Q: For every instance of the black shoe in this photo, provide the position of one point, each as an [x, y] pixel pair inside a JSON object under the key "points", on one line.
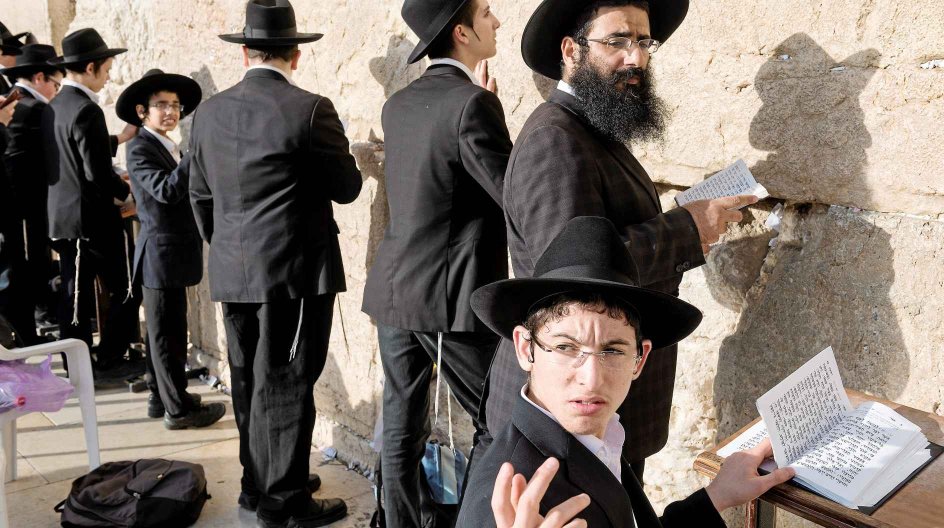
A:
{"points": [[250, 501], [156, 406], [117, 370], [202, 416], [317, 512]]}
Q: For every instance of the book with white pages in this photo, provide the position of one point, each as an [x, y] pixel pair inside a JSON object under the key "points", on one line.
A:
{"points": [[857, 457], [734, 180]]}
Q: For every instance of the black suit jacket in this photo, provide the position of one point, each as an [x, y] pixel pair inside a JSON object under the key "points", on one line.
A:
{"points": [[268, 158], [562, 168], [446, 147], [24, 159], [168, 251], [531, 438], [82, 183]]}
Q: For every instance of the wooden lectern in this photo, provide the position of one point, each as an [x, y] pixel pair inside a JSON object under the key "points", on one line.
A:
{"points": [[918, 504]]}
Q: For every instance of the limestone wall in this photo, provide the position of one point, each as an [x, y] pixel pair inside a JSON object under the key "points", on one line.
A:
{"points": [[827, 102]]}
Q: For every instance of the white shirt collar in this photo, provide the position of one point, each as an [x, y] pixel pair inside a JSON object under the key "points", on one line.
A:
{"points": [[288, 77], [33, 92], [166, 141], [453, 62], [566, 88], [609, 450], [75, 84]]}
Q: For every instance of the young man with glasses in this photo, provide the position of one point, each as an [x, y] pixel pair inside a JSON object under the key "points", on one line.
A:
{"points": [[447, 148], [583, 331], [38, 83], [571, 159], [168, 255]]}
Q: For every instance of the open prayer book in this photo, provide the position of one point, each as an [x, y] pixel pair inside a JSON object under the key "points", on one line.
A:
{"points": [[856, 457], [732, 181]]}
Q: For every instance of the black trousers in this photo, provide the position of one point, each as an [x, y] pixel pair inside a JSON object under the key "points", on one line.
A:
{"points": [[39, 259], [272, 392], [166, 317], [106, 256], [408, 358]]}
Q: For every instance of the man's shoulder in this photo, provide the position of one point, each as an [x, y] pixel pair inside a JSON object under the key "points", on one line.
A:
{"points": [[437, 90], [551, 114]]}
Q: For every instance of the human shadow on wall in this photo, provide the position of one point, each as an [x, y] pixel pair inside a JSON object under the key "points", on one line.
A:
{"points": [[826, 282]]}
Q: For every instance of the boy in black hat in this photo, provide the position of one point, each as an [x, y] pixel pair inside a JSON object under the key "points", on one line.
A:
{"points": [[268, 158], [571, 159], [168, 253], [38, 82], [583, 330], [446, 147], [85, 223]]}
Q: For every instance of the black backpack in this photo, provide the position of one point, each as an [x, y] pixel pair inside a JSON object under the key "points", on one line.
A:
{"points": [[145, 493]]}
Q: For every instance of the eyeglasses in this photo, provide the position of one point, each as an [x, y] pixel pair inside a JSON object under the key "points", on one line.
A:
{"points": [[569, 354], [649, 46], [57, 84], [164, 107]]}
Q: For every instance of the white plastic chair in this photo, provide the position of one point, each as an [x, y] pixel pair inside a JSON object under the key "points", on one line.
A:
{"points": [[80, 375]]}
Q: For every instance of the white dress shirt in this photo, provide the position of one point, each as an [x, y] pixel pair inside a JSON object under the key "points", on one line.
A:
{"points": [[566, 88], [34, 93], [453, 62], [167, 142], [91, 95]]}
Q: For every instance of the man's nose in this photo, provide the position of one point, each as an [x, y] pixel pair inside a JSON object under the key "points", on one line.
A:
{"points": [[590, 373], [635, 56]]}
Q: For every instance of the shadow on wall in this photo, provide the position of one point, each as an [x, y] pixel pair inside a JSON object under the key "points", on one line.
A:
{"points": [[826, 283]]}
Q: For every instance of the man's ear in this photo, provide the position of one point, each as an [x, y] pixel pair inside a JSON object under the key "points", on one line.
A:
{"points": [[141, 111], [641, 362], [296, 58], [245, 56], [523, 349], [570, 52]]}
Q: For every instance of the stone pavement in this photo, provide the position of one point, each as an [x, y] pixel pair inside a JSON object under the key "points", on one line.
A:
{"points": [[51, 453]]}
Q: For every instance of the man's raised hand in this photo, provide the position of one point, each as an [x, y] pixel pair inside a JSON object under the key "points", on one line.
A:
{"points": [[713, 216], [516, 503], [738, 482], [481, 73]]}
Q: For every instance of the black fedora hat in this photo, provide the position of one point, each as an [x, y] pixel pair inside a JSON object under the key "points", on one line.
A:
{"points": [[428, 19], [9, 43], [154, 81], [270, 23], [34, 58], [84, 45], [554, 19], [588, 256]]}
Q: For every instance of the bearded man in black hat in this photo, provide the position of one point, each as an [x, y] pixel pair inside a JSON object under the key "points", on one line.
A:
{"points": [[10, 45], [447, 148], [583, 330], [268, 158], [571, 159], [37, 82], [85, 222], [168, 254]]}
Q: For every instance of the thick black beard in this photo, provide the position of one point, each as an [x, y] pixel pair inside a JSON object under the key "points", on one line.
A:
{"points": [[629, 115]]}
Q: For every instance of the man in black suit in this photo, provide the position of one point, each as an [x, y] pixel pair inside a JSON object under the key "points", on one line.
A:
{"points": [[168, 253], [446, 147], [583, 330], [12, 316], [268, 158], [84, 221], [10, 45], [571, 159], [37, 82]]}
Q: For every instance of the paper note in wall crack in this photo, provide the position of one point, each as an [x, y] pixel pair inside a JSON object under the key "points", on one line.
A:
{"points": [[732, 181]]}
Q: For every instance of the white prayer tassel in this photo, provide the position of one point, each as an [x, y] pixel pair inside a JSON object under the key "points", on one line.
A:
{"points": [[298, 331], [127, 267], [75, 296], [438, 375]]}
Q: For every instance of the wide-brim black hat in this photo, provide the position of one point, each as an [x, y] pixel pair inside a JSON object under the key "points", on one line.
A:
{"points": [[270, 23], [34, 58], [588, 256], [554, 19], [154, 81], [428, 19], [84, 45], [9, 43]]}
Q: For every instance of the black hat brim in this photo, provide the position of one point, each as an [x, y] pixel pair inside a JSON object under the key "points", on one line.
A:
{"points": [[422, 47], [81, 59], [301, 38], [554, 19], [187, 90], [664, 319], [11, 50], [26, 70]]}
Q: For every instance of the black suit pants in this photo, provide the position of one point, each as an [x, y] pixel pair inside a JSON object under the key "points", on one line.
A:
{"points": [[166, 316], [105, 256], [408, 358], [272, 392]]}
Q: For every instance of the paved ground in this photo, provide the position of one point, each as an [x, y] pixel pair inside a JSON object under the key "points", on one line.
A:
{"points": [[51, 453]]}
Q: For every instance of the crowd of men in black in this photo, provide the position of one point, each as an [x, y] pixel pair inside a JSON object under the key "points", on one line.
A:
{"points": [[264, 163]]}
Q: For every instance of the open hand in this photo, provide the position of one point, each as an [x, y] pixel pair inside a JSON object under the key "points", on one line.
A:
{"points": [[713, 216], [738, 482], [6, 114], [481, 73], [127, 134], [516, 503]]}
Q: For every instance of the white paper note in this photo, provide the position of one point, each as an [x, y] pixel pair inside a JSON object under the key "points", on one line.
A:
{"points": [[732, 181]]}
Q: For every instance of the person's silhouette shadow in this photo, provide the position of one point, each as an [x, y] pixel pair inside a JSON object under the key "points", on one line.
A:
{"points": [[827, 281]]}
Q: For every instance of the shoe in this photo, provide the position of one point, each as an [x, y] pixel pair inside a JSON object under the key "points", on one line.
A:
{"points": [[156, 406], [117, 370], [317, 512], [202, 416], [250, 501]]}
